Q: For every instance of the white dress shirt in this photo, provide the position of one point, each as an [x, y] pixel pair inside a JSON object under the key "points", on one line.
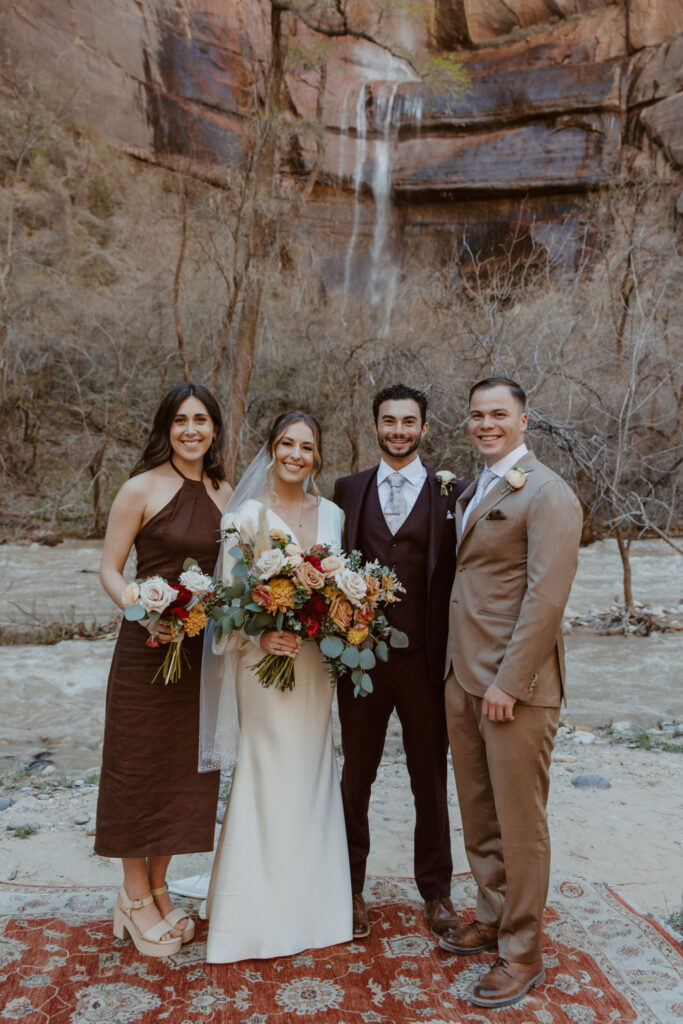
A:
{"points": [[415, 475], [499, 469]]}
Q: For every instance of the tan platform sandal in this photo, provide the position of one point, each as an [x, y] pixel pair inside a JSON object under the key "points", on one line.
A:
{"points": [[176, 915], [150, 942]]}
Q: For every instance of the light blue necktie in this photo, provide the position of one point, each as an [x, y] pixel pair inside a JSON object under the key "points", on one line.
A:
{"points": [[396, 511], [482, 484]]}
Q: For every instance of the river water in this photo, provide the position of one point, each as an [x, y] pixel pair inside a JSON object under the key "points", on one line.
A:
{"points": [[52, 696]]}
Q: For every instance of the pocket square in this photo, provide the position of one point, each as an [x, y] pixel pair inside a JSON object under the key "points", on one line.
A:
{"points": [[450, 515], [495, 513]]}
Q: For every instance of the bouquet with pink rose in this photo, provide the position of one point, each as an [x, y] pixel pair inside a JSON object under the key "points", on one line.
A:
{"points": [[185, 606]]}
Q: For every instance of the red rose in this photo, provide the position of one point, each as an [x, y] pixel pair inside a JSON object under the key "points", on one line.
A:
{"points": [[315, 607], [314, 561], [311, 626], [178, 611], [184, 595]]}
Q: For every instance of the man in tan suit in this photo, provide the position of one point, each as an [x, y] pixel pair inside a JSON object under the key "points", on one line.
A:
{"points": [[518, 530]]}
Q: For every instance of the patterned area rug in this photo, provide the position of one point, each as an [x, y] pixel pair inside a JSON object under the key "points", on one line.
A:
{"points": [[605, 964]]}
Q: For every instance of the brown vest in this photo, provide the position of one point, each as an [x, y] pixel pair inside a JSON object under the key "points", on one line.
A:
{"points": [[406, 551]]}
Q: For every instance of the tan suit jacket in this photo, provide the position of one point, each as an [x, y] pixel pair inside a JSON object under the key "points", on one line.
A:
{"points": [[515, 564]]}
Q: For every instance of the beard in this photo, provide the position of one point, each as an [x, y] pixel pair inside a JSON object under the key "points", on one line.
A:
{"points": [[403, 455]]}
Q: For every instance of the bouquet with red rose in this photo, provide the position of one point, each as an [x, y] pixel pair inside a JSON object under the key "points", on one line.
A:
{"points": [[322, 595], [185, 606]]}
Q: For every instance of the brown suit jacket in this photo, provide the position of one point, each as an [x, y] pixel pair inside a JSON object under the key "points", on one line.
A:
{"points": [[350, 493], [515, 564]]}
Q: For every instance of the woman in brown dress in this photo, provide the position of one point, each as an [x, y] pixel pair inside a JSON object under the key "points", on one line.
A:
{"points": [[152, 801]]}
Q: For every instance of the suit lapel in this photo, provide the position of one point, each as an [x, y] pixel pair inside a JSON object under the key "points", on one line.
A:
{"points": [[437, 519], [497, 493], [364, 480], [460, 506]]}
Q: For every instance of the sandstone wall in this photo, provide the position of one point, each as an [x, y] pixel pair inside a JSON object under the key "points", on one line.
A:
{"points": [[564, 94]]}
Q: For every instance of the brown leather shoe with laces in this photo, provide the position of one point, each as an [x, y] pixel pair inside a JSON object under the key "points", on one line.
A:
{"points": [[361, 924], [506, 983], [474, 937], [441, 915]]}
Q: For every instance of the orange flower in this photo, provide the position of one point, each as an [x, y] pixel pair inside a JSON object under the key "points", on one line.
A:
{"points": [[262, 595], [341, 612], [374, 587], [279, 536], [309, 577], [195, 621], [281, 595], [357, 636], [389, 584], [363, 616]]}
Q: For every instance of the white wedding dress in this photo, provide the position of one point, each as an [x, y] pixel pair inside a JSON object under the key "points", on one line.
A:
{"points": [[280, 881]]}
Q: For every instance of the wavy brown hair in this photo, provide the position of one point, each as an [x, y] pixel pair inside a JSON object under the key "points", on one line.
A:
{"points": [[159, 449], [278, 431]]}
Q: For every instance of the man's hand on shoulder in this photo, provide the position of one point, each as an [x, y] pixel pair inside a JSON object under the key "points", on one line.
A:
{"points": [[497, 705]]}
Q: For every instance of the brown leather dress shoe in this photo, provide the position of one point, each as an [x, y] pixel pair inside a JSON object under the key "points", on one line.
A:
{"points": [[361, 924], [506, 983], [441, 915], [474, 937]]}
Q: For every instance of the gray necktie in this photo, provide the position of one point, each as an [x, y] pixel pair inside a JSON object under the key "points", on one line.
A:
{"points": [[484, 480], [396, 510]]}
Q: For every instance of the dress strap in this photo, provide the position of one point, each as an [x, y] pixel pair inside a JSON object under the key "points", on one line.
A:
{"points": [[187, 479]]}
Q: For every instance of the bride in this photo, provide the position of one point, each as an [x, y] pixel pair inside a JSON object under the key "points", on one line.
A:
{"points": [[280, 881]]}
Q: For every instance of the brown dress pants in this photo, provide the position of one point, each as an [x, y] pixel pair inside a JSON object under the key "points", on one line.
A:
{"points": [[502, 773], [402, 683]]}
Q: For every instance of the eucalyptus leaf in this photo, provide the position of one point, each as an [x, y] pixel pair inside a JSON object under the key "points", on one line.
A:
{"points": [[253, 607], [331, 646], [251, 629], [382, 651], [236, 590], [356, 690], [217, 633], [240, 569], [398, 639], [189, 563], [357, 676], [350, 657], [134, 612], [236, 553], [264, 620], [217, 613], [238, 617], [227, 624], [279, 620], [367, 659], [366, 684], [154, 616]]}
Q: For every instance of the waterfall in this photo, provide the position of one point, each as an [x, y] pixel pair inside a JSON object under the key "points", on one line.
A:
{"points": [[361, 149], [383, 275]]}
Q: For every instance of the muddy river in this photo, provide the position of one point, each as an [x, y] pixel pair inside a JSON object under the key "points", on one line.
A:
{"points": [[52, 696]]}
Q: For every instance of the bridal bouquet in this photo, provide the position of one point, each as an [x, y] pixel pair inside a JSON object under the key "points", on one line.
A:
{"points": [[322, 595], [185, 606]]}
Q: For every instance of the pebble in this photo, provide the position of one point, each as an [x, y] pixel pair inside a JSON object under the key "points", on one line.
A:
{"points": [[584, 737], [77, 782], [82, 819], [591, 782], [623, 726], [4, 804]]}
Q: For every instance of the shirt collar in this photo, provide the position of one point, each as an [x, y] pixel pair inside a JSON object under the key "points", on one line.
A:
{"points": [[501, 467], [413, 472]]}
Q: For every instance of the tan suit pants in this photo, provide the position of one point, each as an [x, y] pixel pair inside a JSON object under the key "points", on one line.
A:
{"points": [[502, 774]]}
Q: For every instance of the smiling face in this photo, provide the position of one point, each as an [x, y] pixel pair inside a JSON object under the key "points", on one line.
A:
{"points": [[192, 430], [399, 430], [497, 422], [294, 453]]}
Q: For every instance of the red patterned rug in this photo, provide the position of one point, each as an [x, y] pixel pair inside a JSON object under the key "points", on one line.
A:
{"points": [[605, 964]]}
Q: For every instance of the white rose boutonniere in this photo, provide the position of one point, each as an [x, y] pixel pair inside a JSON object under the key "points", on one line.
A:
{"points": [[446, 480], [515, 479]]}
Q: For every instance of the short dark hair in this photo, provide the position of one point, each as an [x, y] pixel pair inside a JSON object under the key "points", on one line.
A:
{"points": [[159, 449], [396, 392], [492, 382]]}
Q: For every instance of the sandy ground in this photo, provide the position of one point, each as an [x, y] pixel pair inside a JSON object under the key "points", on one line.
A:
{"points": [[627, 835]]}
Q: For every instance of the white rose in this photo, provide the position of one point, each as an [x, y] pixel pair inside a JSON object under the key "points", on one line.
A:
{"points": [[294, 555], [270, 563], [351, 584], [444, 476], [195, 581], [516, 478], [156, 594], [130, 594]]}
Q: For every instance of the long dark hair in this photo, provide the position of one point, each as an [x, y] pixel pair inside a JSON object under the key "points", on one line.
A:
{"points": [[278, 431], [159, 449]]}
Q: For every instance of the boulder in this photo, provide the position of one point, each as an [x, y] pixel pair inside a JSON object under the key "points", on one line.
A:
{"points": [[663, 122], [652, 21]]}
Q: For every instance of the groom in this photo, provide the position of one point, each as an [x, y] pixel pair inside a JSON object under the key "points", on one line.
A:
{"points": [[518, 532], [400, 513]]}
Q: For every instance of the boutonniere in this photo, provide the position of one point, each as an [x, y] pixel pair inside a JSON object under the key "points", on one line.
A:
{"points": [[446, 480], [515, 479]]}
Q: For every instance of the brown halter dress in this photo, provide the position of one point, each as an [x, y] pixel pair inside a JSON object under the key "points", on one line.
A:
{"points": [[152, 800]]}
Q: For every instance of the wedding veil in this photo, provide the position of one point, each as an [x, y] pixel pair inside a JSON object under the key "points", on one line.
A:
{"points": [[218, 717]]}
